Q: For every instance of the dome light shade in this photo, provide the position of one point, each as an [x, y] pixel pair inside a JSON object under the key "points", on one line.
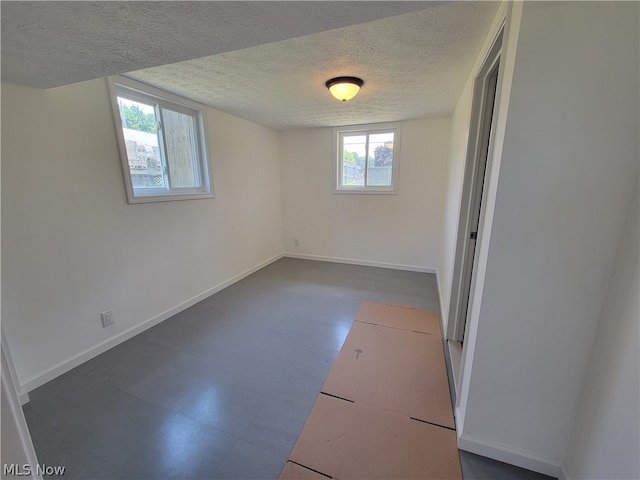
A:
{"points": [[344, 88]]}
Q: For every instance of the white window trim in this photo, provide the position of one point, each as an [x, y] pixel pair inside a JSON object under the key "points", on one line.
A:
{"points": [[176, 103], [337, 159]]}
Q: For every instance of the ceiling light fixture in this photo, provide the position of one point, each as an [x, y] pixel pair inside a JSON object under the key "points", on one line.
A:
{"points": [[344, 88]]}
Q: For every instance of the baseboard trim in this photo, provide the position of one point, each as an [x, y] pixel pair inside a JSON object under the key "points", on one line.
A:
{"points": [[444, 313], [23, 397], [60, 368], [508, 454], [563, 475], [364, 263]]}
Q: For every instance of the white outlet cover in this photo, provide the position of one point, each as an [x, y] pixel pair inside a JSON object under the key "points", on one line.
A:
{"points": [[107, 318]]}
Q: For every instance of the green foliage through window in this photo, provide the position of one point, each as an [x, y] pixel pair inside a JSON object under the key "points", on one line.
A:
{"points": [[136, 119]]}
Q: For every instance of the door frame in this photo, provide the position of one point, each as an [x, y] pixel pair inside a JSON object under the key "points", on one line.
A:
{"points": [[463, 261], [18, 445]]}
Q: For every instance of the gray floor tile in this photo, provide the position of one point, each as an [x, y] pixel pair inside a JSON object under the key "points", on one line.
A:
{"points": [[476, 467], [279, 422], [245, 461], [180, 448]]}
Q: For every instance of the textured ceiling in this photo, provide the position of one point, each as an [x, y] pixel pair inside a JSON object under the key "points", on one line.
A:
{"points": [[47, 44], [413, 65], [263, 61]]}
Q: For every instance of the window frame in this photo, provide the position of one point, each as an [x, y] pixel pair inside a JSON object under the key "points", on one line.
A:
{"points": [[143, 93], [338, 158]]}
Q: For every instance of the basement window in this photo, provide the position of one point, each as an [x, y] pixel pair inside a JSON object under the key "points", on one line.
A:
{"points": [[367, 158], [161, 141]]}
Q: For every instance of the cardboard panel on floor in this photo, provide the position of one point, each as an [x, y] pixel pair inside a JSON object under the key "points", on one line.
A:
{"points": [[377, 445], [399, 316], [434, 452], [374, 367], [389, 375], [394, 370], [348, 441], [431, 400], [320, 442], [293, 471]]}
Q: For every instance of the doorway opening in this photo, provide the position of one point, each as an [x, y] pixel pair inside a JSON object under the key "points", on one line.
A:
{"points": [[477, 166]]}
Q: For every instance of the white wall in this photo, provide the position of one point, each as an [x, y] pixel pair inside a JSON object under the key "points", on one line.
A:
{"points": [[608, 422], [568, 166], [72, 247], [400, 230], [453, 196]]}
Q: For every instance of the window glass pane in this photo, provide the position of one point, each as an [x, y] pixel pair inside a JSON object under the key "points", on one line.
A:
{"points": [[161, 142], [180, 140], [141, 143], [380, 160], [353, 159]]}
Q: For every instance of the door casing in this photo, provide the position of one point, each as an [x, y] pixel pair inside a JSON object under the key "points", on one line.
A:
{"points": [[477, 166]]}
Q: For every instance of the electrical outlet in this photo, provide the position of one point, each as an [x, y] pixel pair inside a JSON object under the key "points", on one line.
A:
{"points": [[107, 318], [296, 242]]}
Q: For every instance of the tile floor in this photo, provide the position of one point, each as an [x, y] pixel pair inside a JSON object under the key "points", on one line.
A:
{"points": [[222, 389]]}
